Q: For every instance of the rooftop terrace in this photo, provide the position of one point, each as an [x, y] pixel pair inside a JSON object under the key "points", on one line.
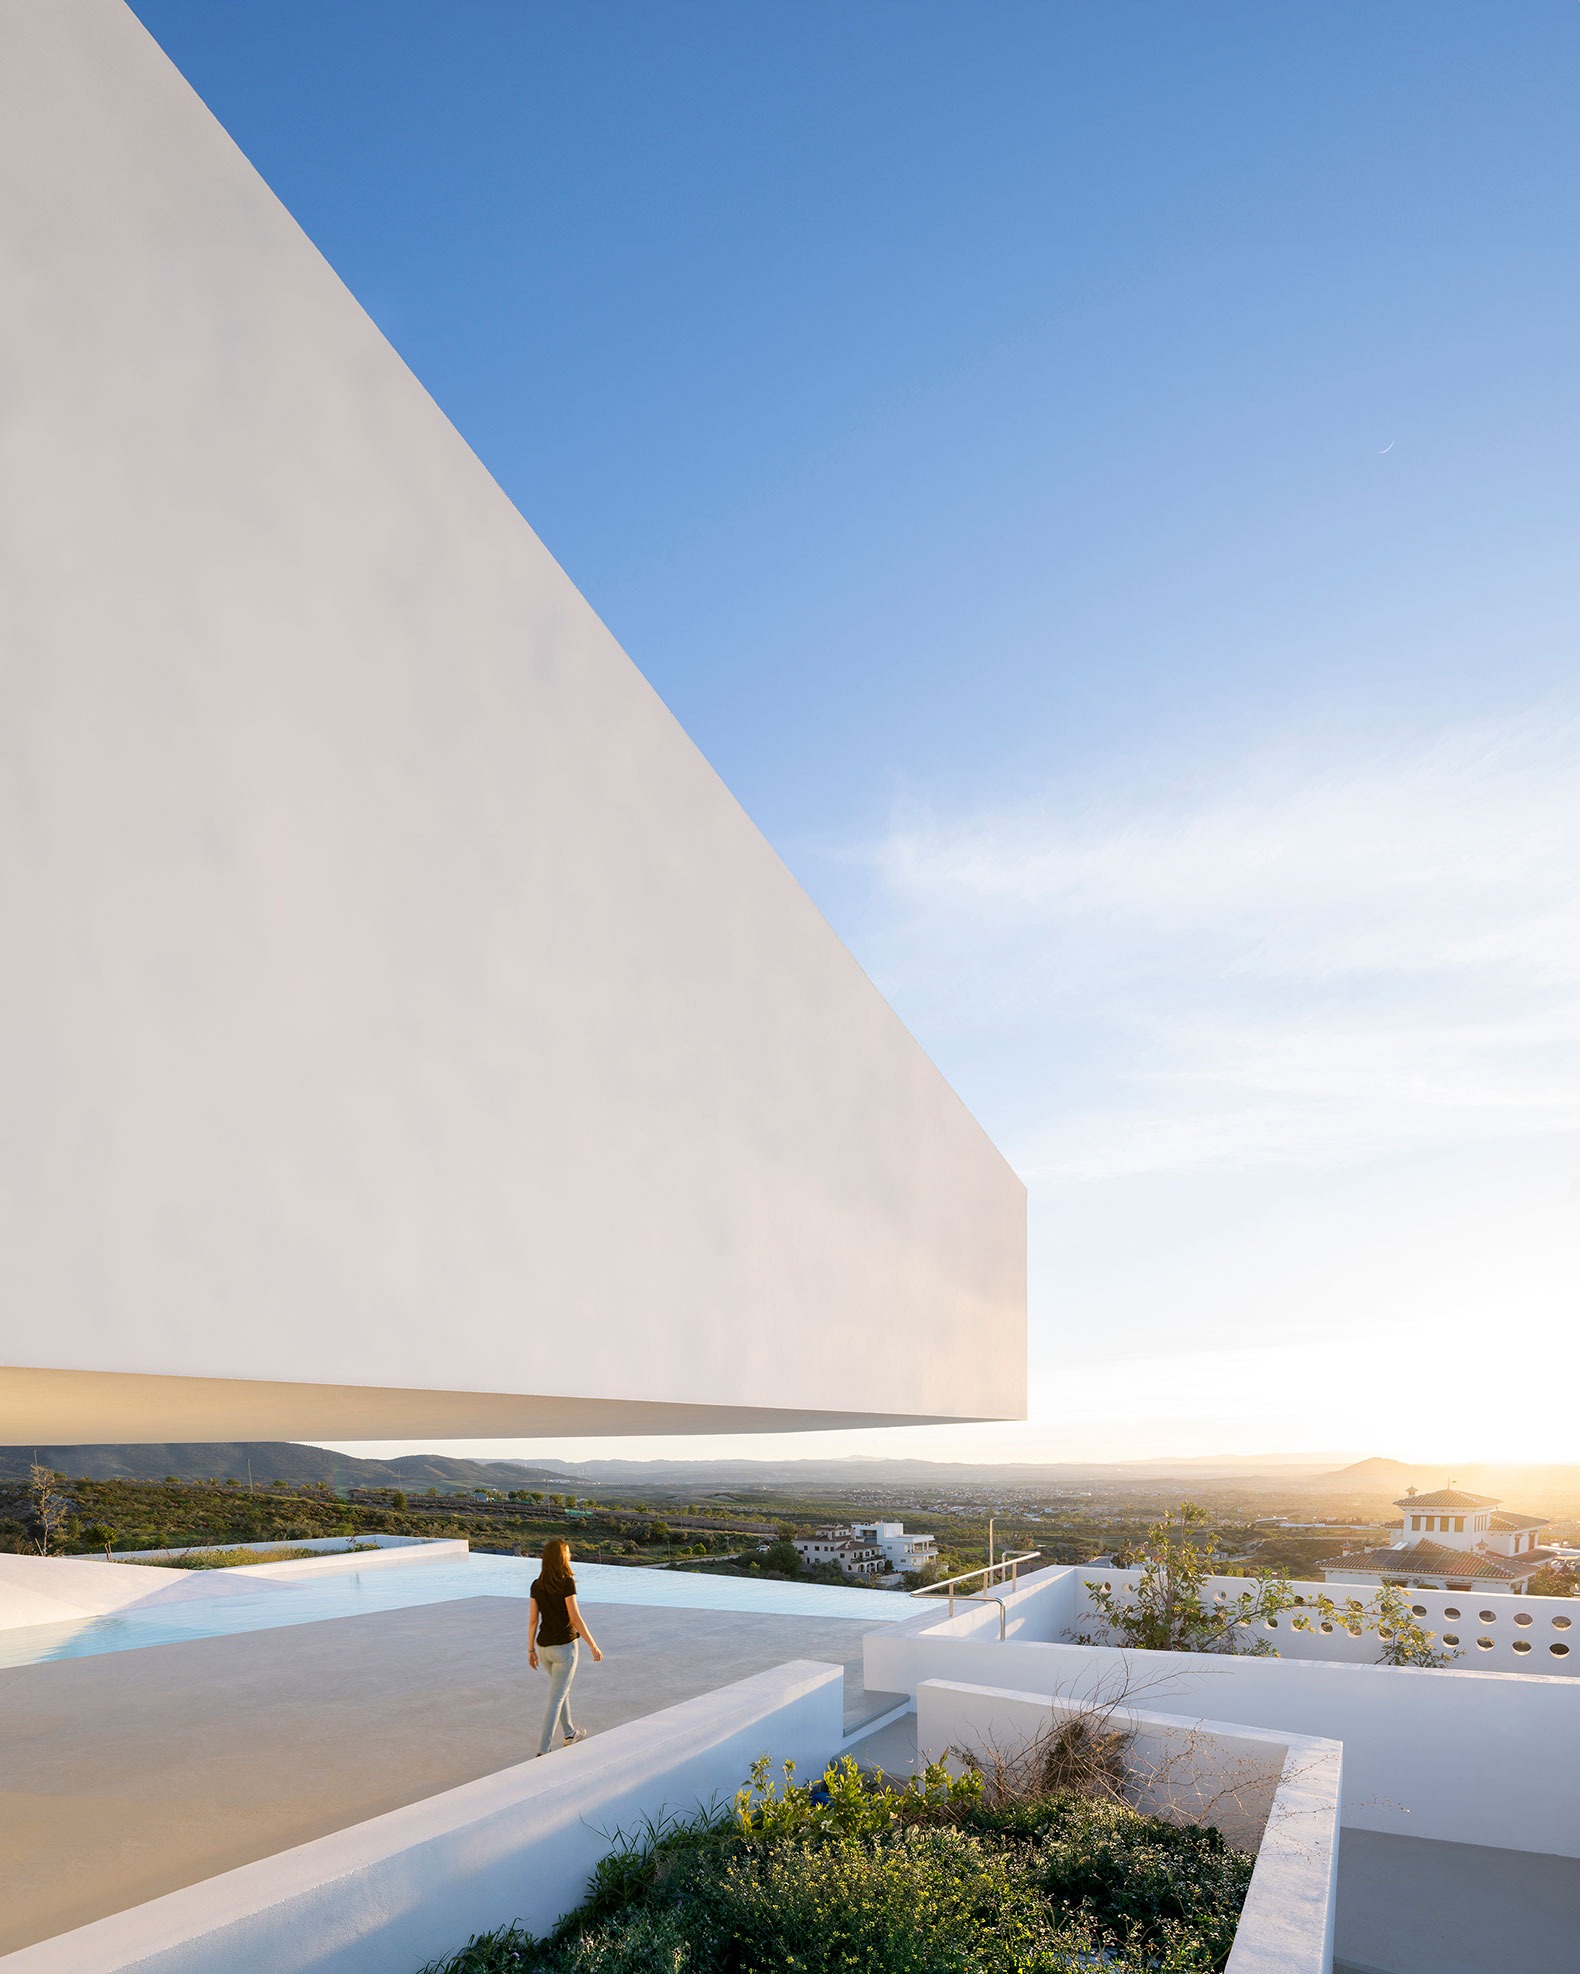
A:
{"points": [[134, 1768]]}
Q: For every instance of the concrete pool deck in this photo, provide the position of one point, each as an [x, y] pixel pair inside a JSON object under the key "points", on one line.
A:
{"points": [[132, 1773]]}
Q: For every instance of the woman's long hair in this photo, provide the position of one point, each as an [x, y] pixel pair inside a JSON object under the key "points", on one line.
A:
{"points": [[555, 1568]]}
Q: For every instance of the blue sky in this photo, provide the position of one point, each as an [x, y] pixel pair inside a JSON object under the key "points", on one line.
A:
{"points": [[1101, 485]]}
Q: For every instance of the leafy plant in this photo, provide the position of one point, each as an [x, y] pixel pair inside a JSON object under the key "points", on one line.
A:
{"points": [[846, 1802], [1405, 1640], [1167, 1609], [851, 1872]]}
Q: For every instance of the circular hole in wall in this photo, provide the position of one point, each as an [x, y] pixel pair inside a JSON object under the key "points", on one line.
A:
{"points": [[1489, 1617], [1449, 1611], [1272, 1624], [1449, 1638], [1327, 1623], [1522, 1617], [1559, 1651], [1561, 1624], [1522, 1644], [1485, 1644], [1418, 1610]]}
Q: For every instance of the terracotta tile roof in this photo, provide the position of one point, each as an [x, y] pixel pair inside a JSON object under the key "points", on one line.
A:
{"points": [[1507, 1524], [1435, 1559], [1447, 1497]]}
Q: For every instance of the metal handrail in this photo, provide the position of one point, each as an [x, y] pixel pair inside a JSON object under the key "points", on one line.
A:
{"points": [[1010, 1563]]}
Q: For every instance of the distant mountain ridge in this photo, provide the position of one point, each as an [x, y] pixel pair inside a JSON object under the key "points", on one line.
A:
{"points": [[1534, 1488], [271, 1460], [867, 1469], [1546, 1489]]}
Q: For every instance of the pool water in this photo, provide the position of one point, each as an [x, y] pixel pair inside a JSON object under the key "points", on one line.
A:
{"points": [[391, 1587]]}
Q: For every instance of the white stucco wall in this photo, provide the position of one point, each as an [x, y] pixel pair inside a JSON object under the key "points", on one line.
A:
{"points": [[1496, 1632], [403, 1030], [1483, 1758]]}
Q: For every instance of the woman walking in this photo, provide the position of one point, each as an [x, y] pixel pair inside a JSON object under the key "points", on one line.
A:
{"points": [[554, 1627]]}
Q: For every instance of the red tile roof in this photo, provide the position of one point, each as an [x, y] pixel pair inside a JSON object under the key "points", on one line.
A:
{"points": [[1435, 1559]]}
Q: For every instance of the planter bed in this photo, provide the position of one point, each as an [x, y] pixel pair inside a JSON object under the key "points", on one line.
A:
{"points": [[925, 1880]]}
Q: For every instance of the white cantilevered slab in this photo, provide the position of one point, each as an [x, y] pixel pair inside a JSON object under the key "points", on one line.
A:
{"points": [[402, 1029]]}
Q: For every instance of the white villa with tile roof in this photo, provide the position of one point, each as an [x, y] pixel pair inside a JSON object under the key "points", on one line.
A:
{"points": [[1450, 1540]]}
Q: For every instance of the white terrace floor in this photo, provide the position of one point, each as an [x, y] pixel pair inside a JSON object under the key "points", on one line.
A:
{"points": [[127, 1773]]}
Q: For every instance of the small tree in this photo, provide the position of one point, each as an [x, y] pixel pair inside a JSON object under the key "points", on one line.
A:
{"points": [[398, 1502], [1166, 1610], [50, 1507], [1405, 1640], [782, 1556]]}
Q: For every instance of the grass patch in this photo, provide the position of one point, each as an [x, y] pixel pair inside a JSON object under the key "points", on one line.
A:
{"points": [[855, 1876], [230, 1559]]}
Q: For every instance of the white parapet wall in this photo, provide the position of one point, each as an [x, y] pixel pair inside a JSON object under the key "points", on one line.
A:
{"points": [[65, 1589], [1276, 1794], [1460, 1757], [334, 1552], [68, 1589], [385, 1896], [1493, 1631]]}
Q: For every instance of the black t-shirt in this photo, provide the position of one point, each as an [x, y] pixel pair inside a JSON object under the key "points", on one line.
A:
{"points": [[554, 1621]]}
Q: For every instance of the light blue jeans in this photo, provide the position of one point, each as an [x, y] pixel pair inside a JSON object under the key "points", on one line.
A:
{"points": [[559, 1661]]}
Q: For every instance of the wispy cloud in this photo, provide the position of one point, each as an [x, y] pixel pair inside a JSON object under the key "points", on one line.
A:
{"points": [[1314, 955]]}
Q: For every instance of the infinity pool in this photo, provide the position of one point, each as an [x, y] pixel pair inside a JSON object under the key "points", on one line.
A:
{"points": [[391, 1587]]}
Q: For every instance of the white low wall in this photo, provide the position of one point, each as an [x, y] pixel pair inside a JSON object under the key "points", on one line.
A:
{"points": [[67, 1589], [366, 1546], [391, 1549], [1494, 1631], [1276, 1794], [1460, 1757], [384, 1897]]}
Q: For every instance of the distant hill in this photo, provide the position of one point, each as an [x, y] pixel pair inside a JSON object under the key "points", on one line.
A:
{"points": [[875, 1471], [1551, 1490], [272, 1460], [1546, 1489]]}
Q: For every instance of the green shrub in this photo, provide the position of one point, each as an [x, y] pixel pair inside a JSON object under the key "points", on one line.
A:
{"points": [[230, 1559], [924, 1879]]}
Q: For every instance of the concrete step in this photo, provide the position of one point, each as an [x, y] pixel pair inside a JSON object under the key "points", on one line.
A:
{"points": [[864, 1709], [888, 1744]]}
